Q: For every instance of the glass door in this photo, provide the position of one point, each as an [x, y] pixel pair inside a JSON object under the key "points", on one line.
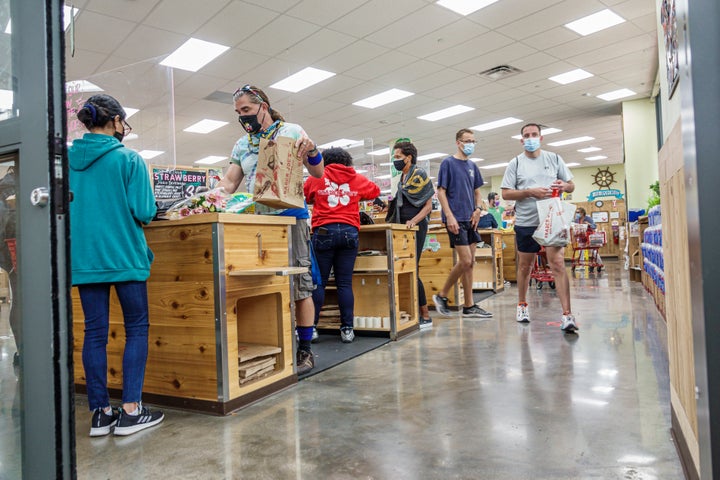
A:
{"points": [[36, 409]]}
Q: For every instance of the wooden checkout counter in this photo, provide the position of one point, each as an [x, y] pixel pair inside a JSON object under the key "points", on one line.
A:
{"points": [[221, 331]]}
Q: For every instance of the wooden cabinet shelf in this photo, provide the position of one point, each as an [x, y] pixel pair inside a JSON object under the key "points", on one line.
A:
{"points": [[220, 283]]}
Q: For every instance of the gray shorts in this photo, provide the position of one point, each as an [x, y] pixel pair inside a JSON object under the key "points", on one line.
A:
{"points": [[300, 239]]}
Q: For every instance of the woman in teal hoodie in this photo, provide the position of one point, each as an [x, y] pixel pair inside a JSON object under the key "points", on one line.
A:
{"points": [[112, 199]]}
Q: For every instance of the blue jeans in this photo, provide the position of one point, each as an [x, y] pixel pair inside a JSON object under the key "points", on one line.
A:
{"points": [[95, 299], [336, 246]]}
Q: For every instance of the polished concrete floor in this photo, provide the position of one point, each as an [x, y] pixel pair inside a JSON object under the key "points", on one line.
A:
{"points": [[468, 399]]}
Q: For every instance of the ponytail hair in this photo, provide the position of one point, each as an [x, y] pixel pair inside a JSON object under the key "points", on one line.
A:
{"points": [[99, 110], [257, 96]]}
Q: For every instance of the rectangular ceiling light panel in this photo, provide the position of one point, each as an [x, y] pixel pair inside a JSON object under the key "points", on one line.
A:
{"points": [[545, 131], [388, 96], [570, 141], [595, 22], [149, 154], [616, 94], [465, 7], [430, 156], [445, 113], [496, 124], [589, 149], [596, 157], [342, 143], [194, 54], [210, 160], [571, 76], [205, 126], [382, 151], [129, 112], [303, 79], [572, 164], [68, 14]]}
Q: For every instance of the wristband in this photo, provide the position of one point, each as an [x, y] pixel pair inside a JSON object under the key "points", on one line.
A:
{"points": [[316, 159]]}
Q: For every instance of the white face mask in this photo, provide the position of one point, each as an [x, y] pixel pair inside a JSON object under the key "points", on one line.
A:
{"points": [[531, 144], [468, 148]]}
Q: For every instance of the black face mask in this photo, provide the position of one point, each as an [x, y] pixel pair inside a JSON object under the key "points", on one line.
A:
{"points": [[399, 165], [119, 136], [250, 122]]}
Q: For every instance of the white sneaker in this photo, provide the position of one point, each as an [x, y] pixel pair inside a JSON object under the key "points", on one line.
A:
{"points": [[523, 314], [568, 323]]}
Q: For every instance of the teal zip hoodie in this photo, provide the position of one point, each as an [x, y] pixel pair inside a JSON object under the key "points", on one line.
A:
{"points": [[112, 199]]}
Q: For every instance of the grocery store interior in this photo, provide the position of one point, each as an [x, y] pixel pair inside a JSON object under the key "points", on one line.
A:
{"points": [[614, 87]]}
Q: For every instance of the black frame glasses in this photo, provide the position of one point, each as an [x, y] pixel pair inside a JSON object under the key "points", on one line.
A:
{"points": [[247, 89], [126, 128]]}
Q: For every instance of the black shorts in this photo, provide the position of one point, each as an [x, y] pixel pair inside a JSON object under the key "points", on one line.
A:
{"points": [[466, 235], [524, 241]]}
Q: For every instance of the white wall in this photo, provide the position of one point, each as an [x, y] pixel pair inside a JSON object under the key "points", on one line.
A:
{"points": [[640, 148]]}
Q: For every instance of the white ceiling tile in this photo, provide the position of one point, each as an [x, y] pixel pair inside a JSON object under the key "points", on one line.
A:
{"points": [[392, 60], [374, 15], [485, 42], [402, 77], [277, 5], [279, 35], [556, 15], [91, 26], [147, 42], [505, 12], [234, 64], [502, 56], [183, 16], [413, 25], [351, 56], [550, 38], [83, 64], [317, 46], [225, 27], [323, 12], [444, 38], [116, 9], [612, 36]]}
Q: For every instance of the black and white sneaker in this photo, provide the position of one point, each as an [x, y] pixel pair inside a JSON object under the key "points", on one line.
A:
{"points": [[315, 335], [441, 305], [425, 322], [475, 312], [101, 422], [129, 424]]}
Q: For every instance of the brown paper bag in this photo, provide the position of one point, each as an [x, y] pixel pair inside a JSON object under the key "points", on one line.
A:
{"points": [[279, 174]]}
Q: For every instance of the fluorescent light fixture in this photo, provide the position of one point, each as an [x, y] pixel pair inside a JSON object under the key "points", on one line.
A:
{"points": [[129, 112], [210, 160], [477, 159], [149, 154], [595, 22], [573, 164], [360, 170], [67, 12], [432, 155], [465, 7], [8, 28], [571, 76], [496, 124], [388, 96], [545, 131], [607, 372], [131, 136], [445, 113], [6, 99], [570, 141], [383, 177], [385, 164], [615, 94], [382, 151], [303, 79], [590, 401], [342, 143], [205, 126], [495, 165], [642, 459], [603, 389], [596, 157], [81, 86], [589, 149], [193, 55]]}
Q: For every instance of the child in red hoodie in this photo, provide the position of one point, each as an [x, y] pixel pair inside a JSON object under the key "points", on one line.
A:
{"points": [[336, 200]]}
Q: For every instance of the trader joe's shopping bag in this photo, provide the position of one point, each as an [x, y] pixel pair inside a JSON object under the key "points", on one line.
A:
{"points": [[555, 218], [279, 174]]}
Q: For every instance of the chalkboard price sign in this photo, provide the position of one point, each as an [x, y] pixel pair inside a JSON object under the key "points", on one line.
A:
{"points": [[177, 183]]}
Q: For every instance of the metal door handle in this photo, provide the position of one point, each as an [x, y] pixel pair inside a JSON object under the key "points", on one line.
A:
{"points": [[39, 197]]}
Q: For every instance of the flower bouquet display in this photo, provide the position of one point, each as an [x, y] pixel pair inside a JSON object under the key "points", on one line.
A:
{"points": [[211, 201]]}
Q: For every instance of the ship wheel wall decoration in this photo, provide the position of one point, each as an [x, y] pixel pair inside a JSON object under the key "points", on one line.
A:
{"points": [[603, 178]]}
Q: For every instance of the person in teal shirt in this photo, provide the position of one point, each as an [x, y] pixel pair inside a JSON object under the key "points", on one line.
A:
{"points": [[112, 199]]}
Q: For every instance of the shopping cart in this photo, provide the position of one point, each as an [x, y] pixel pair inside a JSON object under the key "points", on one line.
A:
{"points": [[11, 248], [585, 244], [541, 271]]}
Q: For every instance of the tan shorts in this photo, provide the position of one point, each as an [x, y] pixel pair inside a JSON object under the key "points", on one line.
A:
{"points": [[300, 239]]}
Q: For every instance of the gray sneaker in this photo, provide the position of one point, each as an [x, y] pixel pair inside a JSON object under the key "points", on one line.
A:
{"points": [[475, 312], [441, 305], [347, 335], [568, 324], [305, 361], [425, 322]]}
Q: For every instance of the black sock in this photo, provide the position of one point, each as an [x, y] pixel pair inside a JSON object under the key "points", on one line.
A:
{"points": [[304, 345]]}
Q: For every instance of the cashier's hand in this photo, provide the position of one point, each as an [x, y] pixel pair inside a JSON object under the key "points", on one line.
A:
{"points": [[304, 145]]}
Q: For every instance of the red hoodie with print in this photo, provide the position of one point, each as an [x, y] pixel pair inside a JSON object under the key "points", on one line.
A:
{"points": [[336, 196]]}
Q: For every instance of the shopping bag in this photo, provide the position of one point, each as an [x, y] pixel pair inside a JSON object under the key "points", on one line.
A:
{"points": [[279, 174], [555, 219]]}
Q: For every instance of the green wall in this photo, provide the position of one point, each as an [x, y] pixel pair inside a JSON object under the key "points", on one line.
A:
{"points": [[640, 148]]}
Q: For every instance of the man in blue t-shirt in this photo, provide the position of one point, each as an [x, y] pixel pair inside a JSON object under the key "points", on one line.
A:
{"points": [[262, 121], [459, 183]]}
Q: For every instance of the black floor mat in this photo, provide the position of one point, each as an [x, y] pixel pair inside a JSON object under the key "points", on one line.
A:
{"points": [[330, 351]]}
